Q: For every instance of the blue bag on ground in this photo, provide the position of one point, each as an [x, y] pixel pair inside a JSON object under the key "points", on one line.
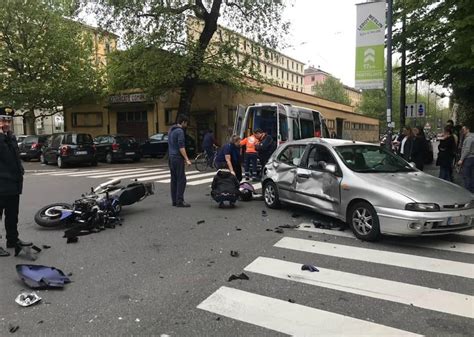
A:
{"points": [[37, 276]]}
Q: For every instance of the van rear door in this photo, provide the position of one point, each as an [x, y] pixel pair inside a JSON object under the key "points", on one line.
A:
{"points": [[240, 116]]}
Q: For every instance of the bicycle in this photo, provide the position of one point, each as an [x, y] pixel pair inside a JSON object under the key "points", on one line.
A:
{"points": [[203, 163]]}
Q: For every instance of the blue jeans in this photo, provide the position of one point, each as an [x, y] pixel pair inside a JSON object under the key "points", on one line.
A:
{"points": [[446, 173], [251, 160], [468, 174]]}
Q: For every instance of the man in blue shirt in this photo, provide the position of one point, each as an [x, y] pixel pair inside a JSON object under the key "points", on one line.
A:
{"points": [[178, 158], [229, 157]]}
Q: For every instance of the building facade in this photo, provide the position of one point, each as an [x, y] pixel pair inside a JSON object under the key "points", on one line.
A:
{"points": [[313, 76]]}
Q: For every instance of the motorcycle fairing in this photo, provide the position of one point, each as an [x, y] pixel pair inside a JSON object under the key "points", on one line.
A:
{"points": [[38, 276]]}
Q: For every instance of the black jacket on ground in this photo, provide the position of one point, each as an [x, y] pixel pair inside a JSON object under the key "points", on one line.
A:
{"points": [[224, 183], [11, 169]]}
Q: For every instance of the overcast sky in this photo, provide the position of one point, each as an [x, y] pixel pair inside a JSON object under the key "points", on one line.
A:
{"points": [[323, 34]]}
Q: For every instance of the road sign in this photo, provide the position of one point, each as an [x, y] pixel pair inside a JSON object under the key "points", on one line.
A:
{"points": [[414, 110]]}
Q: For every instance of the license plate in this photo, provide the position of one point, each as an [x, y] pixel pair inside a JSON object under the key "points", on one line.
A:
{"points": [[81, 152], [456, 220], [129, 153], [23, 154]]}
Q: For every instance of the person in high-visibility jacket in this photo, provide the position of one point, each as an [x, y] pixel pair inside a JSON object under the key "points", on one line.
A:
{"points": [[251, 156]]}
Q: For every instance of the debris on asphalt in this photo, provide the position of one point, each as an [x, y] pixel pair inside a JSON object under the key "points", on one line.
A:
{"points": [[46, 247], [218, 319], [295, 215], [40, 322], [269, 230], [289, 226], [234, 253], [453, 246], [200, 222], [307, 226], [264, 213], [279, 231], [241, 276], [27, 299], [74, 239], [37, 276], [309, 267], [137, 320], [13, 328], [31, 251], [310, 236], [238, 229], [291, 301]]}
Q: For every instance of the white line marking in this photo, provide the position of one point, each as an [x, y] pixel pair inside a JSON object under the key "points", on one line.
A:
{"points": [[378, 256], [200, 182], [290, 318], [162, 176], [106, 173], [135, 173], [422, 297], [457, 247], [63, 173], [189, 176]]}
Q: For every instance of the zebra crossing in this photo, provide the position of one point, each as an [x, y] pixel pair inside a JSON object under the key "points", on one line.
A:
{"points": [[295, 319], [158, 174]]}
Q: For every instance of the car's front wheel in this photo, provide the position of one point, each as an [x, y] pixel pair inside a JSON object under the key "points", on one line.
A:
{"points": [[364, 221], [109, 159], [60, 163], [270, 195]]}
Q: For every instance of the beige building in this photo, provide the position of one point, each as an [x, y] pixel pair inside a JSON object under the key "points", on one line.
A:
{"points": [[313, 76]]}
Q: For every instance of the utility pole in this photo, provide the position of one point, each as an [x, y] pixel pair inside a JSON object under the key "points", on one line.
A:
{"points": [[403, 74], [389, 74]]}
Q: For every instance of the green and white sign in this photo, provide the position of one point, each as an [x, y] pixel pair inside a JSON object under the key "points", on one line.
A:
{"points": [[370, 40]]}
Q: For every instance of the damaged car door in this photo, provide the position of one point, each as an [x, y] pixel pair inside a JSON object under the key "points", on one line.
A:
{"points": [[318, 181], [285, 166]]}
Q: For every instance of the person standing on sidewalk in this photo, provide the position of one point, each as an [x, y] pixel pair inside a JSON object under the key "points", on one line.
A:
{"points": [[251, 156], [447, 151], [178, 159], [466, 162], [420, 148], [11, 181]]}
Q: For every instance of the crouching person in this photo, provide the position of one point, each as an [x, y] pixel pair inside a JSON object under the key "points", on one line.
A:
{"points": [[225, 187]]}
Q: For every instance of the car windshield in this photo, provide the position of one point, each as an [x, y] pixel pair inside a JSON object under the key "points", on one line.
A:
{"points": [[125, 139], [159, 136], [371, 159]]}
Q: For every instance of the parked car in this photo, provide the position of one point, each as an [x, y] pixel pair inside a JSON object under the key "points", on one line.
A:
{"points": [[31, 147], [20, 139], [112, 148], [70, 148], [374, 191], [157, 146]]}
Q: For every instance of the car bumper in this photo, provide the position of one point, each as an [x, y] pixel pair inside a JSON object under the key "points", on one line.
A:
{"points": [[408, 223], [30, 154], [78, 159], [125, 155]]}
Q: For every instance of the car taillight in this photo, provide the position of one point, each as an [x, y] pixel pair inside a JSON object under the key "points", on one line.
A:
{"points": [[35, 146], [317, 134], [64, 150], [115, 146]]}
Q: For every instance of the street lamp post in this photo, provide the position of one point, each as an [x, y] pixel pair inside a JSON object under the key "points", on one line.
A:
{"points": [[389, 75]]}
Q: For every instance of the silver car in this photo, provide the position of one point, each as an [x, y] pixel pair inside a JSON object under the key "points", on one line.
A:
{"points": [[374, 191]]}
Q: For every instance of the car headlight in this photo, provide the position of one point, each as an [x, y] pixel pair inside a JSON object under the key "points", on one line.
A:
{"points": [[422, 207]]}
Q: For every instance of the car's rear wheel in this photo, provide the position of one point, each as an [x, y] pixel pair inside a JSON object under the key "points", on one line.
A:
{"points": [[60, 163], [109, 158], [364, 221], [270, 195], [43, 160]]}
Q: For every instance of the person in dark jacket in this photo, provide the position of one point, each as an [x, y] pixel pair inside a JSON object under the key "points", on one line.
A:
{"points": [[225, 187], [420, 151], [446, 154], [11, 181], [178, 158], [265, 147], [229, 157], [208, 144]]}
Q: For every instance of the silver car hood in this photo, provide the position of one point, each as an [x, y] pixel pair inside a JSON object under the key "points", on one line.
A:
{"points": [[419, 186]]}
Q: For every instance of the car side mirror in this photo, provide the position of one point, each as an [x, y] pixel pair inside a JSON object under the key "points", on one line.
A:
{"points": [[331, 168]]}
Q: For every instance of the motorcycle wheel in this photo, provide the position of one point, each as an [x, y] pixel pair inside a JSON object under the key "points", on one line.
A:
{"points": [[49, 217]]}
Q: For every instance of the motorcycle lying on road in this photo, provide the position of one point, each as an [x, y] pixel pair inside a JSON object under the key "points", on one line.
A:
{"points": [[96, 210]]}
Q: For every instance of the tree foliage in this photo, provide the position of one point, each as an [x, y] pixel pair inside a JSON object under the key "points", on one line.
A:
{"points": [[333, 90], [155, 30], [45, 59], [440, 44]]}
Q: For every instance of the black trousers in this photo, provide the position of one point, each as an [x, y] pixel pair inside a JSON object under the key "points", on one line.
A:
{"points": [[178, 179], [11, 204]]}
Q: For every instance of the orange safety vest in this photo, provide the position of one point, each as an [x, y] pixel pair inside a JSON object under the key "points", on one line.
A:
{"points": [[249, 143]]}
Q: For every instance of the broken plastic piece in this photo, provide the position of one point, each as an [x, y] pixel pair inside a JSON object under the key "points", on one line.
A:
{"points": [[269, 230], [13, 328], [200, 222], [309, 267], [289, 226], [37, 276], [27, 299], [234, 253], [264, 213], [72, 240], [46, 247], [242, 276], [279, 230], [291, 301]]}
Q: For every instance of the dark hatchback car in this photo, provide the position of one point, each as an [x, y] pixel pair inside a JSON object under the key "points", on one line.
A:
{"points": [[70, 148], [31, 147], [111, 148], [157, 146]]}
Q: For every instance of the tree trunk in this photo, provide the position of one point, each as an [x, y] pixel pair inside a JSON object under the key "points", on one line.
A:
{"points": [[30, 124], [190, 81]]}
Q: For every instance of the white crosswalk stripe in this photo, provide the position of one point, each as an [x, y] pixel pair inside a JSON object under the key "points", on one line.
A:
{"points": [[156, 174], [294, 319]]}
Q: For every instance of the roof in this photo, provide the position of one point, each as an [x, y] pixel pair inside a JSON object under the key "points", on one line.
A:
{"points": [[329, 141]]}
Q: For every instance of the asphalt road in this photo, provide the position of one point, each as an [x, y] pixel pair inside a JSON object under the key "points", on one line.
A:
{"points": [[162, 273]]}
